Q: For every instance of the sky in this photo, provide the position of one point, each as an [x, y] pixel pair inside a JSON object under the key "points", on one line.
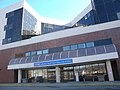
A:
{"points": [[57, 9]]}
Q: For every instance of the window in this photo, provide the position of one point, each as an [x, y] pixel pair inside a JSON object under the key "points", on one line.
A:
{"points": [[9, 39], [27, 54], [90, 44], [118, 15], [68, 68], [103, 42], [45, 51], [88, 14], [54, 50], [19, 55], [66, 48], [39, 52], [5, 27], [29, 24], [74, 47], [82, 45], [85, 17], [10, 26], [10, 14], [33, 53]]}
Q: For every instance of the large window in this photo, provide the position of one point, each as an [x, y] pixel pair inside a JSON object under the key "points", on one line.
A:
{"points": [[45, 51], [103, 42], [90, 44], [30, 25], [39, 52], [82, 45], [74, 47], [92, 69], [27, 54], [66, 48], [47, 28], [57, 49], [106, 10], [87, 20], [33, 53]]}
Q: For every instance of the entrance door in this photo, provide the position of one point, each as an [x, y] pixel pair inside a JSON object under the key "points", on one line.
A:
{"points": [[68, 76], [51, 75]]}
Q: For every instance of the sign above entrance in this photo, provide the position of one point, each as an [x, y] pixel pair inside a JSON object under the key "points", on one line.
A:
{"points": [[53, 62]]}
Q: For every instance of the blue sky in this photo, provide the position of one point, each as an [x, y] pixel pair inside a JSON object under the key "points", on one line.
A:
{"points": [[58, 9]]}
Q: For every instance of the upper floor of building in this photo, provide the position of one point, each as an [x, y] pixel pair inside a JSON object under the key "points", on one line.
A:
{"points": [[21, 23]]}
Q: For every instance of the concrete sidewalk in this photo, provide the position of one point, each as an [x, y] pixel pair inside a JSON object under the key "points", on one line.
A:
{"points": [[63, 86], [106, 83]]}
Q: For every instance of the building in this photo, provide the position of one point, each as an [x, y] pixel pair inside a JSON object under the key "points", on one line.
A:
{"points": [[38, 49]]}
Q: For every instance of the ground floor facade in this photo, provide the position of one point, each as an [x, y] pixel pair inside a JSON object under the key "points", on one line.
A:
{"points": [[95, 71]]}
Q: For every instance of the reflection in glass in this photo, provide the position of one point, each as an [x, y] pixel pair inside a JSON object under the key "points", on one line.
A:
{"points": [[82, 45], [33, 53], [45, 51], [47, 28], [30, 25], [66, 48], [39, 52], [90, 44], [74, 47], [27, 54]]}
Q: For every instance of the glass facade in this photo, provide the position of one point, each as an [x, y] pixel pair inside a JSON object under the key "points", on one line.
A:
{"points": [[13, 26], [91, 72], [23, 25], [47, 28], [107, 10], [29, 25], [103, 11], [20, 25], [87, 72], [87, 20], [37, 75]]}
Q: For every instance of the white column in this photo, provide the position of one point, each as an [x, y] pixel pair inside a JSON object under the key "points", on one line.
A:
{"points": [[57, 74], [77, 76], [19, 76], [109, 70]]}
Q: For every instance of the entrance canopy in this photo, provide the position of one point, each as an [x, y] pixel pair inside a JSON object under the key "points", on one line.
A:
{"points": [[68, 57]]}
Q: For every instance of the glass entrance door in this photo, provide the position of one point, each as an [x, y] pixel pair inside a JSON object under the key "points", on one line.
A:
{"points": [[37, 75], [67, 74], [51, 75]]}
